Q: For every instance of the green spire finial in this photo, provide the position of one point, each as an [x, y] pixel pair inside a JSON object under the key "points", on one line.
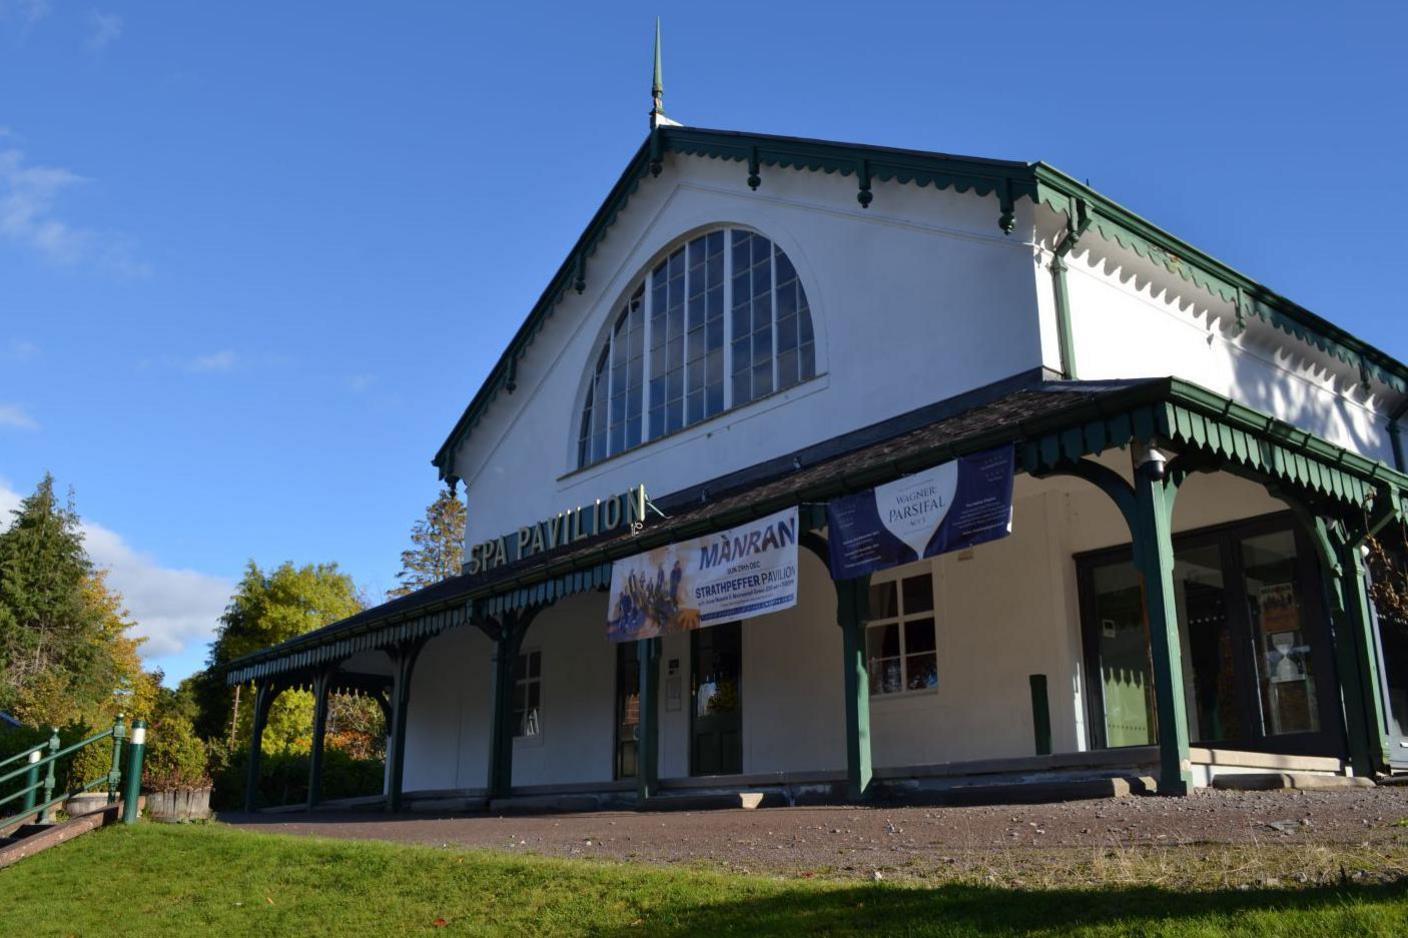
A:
{"points": [[657, 83]]}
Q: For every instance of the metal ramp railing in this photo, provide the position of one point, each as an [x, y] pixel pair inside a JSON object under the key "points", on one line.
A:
{"points": [[38, 767]]}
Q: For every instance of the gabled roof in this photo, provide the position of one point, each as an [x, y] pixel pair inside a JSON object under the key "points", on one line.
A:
{"points": [[1009, 180]]}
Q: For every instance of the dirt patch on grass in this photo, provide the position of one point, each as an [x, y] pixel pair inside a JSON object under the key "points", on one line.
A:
{"points": [[1210, 839]]}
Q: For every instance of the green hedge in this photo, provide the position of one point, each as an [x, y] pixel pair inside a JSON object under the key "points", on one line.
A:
{"points": [[283, 778]]}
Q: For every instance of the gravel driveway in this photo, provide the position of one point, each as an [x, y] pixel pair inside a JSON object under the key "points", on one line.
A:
{"points": [[1319, 828]]}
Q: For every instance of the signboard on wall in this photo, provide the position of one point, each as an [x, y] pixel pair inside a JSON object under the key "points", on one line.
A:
{"points": [[736, 574], [952, 506]]}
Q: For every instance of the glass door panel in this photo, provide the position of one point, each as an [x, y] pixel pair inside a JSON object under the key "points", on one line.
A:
{"points": [[627, 708], [1283, 646], [717, 713], [1122, 650], [1209, 666]]}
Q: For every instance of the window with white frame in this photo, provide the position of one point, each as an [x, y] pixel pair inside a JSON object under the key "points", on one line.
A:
{"points": [[527, 694], [721, 321], [899, 636]]}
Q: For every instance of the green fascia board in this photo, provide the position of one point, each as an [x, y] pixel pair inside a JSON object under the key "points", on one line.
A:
{"points": [[1114, 222], [1008, 179]]}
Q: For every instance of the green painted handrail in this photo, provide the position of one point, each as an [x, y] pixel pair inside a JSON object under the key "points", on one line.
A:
{"points": [[19, 756], [41, 808]]}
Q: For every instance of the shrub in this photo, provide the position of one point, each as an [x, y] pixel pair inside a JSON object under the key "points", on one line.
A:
{"points": [[283, 778], [176, 757]]}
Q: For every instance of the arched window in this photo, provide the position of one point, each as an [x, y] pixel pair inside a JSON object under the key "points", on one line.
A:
{"points": [[720, 322]]}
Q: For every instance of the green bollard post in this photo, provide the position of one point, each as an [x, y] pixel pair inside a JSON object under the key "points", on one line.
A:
{"points": [[132, 789], [31, 781], [47, 816], [115, 774]]}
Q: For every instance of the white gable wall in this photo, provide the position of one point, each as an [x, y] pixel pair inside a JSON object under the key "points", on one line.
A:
{"points": [[1131, 319], [917, 299]]}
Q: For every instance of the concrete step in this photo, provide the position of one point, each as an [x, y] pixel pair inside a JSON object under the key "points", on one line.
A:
{"points": [[1043, 791], [1277, 781], [715, 800]]}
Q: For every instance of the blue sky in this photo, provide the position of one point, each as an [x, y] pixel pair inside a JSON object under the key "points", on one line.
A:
{"points": [[256, 258]]}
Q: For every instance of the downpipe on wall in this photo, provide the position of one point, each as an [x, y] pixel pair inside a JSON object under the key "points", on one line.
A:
{"points": [[1065, 339]]}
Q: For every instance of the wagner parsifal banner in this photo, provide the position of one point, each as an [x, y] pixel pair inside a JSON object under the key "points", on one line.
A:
{"points": [[745, 571], [952, 506]]}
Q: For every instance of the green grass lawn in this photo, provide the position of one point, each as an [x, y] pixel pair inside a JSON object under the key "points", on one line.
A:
{"points": [[155, 880]]}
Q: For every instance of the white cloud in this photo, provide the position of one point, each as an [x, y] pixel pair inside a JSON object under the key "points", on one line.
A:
{"points": [[223, 360], [28, 12], [15, 416], [23, 350], [104, 29], [175, 609], [28, 198]]}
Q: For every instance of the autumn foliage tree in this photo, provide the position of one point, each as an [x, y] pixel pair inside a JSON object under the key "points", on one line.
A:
{"points": [[437, 546], [269, 607]]}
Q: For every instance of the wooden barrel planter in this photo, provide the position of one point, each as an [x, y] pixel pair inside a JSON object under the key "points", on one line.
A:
{"points": [[86, 802], [182, 804]]}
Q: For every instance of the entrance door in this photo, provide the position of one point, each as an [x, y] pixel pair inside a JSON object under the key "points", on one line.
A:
{"points": [[627, 708], [1257, 665], [716, 723]]}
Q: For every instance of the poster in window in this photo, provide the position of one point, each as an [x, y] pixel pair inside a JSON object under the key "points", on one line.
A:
{"points": [[950, 507], [746, 571]]}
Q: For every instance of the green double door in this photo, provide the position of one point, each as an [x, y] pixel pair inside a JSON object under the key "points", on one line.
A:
{"points": [[1258, 670], [716, 704]]}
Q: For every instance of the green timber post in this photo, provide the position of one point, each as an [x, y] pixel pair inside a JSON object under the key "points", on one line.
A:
{"points": [[263, 697], [1339, 547], [320, 727], [132, 781], [648, 743], [1151, 528], [501, 731], [852, 611], [1358, 669], [404, 658]]}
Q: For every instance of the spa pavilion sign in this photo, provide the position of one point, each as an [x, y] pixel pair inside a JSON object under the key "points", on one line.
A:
{"points": [[562, 529]]}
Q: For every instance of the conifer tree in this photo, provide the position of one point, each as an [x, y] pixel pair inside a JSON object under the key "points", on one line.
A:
{"points": [[438, 546], [64, 648]]}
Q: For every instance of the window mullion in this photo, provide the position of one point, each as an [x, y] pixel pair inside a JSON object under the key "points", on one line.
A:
{"points": [[647, 310], [688, 328], [728, 319], [773, 251]]}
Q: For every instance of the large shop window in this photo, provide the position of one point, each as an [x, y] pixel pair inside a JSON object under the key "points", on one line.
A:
{"points": [[899, 637], [720, 322], [528, 695], [1257, 670]]}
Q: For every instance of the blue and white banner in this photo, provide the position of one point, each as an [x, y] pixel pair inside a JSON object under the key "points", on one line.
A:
{"points": [[949, 507], [736, 574]]}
